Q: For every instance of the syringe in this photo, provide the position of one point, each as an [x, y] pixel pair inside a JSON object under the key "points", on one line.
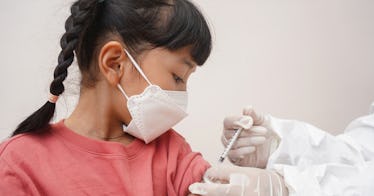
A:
{"points": [[231, 143], [233, 140], [225, 152]]}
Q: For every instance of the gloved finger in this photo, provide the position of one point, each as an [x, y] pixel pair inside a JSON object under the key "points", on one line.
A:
{"points": [[249, 141], [241, 152], [245, 122], [211, 189], [223, 173], [258, 119], [218, 173], [228, 134], [253, 131], [228, 122], [236, 122], [258, 129], [245, 141], [224, 141]]}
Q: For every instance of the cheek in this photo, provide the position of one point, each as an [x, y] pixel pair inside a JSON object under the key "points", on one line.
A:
{"points": [[161, 77], [133, 83]]}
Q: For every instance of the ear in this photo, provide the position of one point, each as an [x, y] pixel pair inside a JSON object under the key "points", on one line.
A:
{"points": [[111, 62]]}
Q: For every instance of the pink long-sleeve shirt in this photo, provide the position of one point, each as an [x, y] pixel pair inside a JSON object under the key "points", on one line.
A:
{"points": [[61, 162]]}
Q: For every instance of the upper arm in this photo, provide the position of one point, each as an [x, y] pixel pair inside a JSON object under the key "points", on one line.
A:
{"points": [[190, 169], [11, 183]]}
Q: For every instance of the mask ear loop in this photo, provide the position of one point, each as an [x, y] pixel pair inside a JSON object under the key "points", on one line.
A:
{"points": [[122, 91], [137, 67]]}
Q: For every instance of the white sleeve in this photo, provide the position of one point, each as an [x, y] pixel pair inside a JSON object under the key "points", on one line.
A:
{"points": [[314, 162]]}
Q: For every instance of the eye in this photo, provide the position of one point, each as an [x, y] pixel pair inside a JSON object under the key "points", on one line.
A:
{"points": [[177, 79]]}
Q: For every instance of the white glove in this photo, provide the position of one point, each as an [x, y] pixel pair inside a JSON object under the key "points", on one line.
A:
{"points": [[255, 143], [239, 181]]}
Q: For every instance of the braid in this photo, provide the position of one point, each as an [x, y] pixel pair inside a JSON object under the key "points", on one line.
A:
{"points": [[74, 26], [82, 12]]}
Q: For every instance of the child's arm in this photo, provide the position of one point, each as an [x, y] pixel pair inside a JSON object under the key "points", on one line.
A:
{"points": [[185, 167]]}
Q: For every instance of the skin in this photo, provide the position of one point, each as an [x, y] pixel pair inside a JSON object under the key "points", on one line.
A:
{"points": [[103, 109]]}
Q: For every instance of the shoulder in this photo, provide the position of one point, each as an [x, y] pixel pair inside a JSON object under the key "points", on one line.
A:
{"points": [[177, 147], [23, 145], [174, 136], [16, 143], [362, 123], [173, 145], [172, 139]]}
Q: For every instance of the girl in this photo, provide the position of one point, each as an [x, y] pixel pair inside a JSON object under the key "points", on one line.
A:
{"points": [[135, 57]]}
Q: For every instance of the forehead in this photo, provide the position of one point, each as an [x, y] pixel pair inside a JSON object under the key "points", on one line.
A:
{"points": [[179, 56]]}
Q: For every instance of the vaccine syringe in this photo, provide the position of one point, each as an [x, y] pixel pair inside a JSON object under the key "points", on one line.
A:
{"points": [[232, 142], [229, 146]]}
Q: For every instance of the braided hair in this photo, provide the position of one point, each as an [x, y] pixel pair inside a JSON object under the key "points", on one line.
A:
{"points": [[171, 24]]}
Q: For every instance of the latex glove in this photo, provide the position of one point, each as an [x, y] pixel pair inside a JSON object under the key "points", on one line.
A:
{"points": [[255, 143], [239, 181]]}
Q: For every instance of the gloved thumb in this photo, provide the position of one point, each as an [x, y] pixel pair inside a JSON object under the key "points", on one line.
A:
{"points": [[236, 122], [210, 189], [236, 186], [222, 173], [258, 119]]}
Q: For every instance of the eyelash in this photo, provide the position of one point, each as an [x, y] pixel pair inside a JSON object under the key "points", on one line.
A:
{"points": [[177, 79]]}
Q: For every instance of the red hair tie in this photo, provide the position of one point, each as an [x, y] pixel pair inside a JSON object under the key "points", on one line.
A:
{"points": [[52, 98]]}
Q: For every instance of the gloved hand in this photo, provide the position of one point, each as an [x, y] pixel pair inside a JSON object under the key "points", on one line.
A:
{"points": [[239, 181], [255, 143]]}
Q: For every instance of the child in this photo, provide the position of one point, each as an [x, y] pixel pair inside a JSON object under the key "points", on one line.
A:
{"points": [[135, 57]]}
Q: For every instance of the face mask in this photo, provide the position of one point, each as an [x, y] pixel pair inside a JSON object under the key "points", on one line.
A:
{"points": [[154, 111]]}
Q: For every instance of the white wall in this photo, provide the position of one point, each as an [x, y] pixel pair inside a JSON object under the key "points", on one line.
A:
{"points": [[310, 60]]}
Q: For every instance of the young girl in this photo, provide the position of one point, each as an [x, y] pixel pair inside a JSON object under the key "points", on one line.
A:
{"points": [[135, 57]]}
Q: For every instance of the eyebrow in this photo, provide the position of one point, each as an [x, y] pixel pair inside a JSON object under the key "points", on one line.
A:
{"points": [[188, 63]]}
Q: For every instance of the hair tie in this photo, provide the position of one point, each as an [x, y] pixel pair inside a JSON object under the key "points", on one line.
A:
{"points": [[52, 98]]}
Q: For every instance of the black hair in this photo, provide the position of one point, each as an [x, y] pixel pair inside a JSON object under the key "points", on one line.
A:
{"points": [[171, 24]]}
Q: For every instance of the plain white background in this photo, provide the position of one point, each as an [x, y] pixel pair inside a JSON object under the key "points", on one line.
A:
{"points": [[310, 60]]}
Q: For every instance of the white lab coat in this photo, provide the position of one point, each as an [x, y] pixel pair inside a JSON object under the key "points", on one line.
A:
{"points": [[314, 162]]}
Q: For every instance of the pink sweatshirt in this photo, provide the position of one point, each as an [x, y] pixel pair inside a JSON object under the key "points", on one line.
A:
{"points": [[61, 162]]}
